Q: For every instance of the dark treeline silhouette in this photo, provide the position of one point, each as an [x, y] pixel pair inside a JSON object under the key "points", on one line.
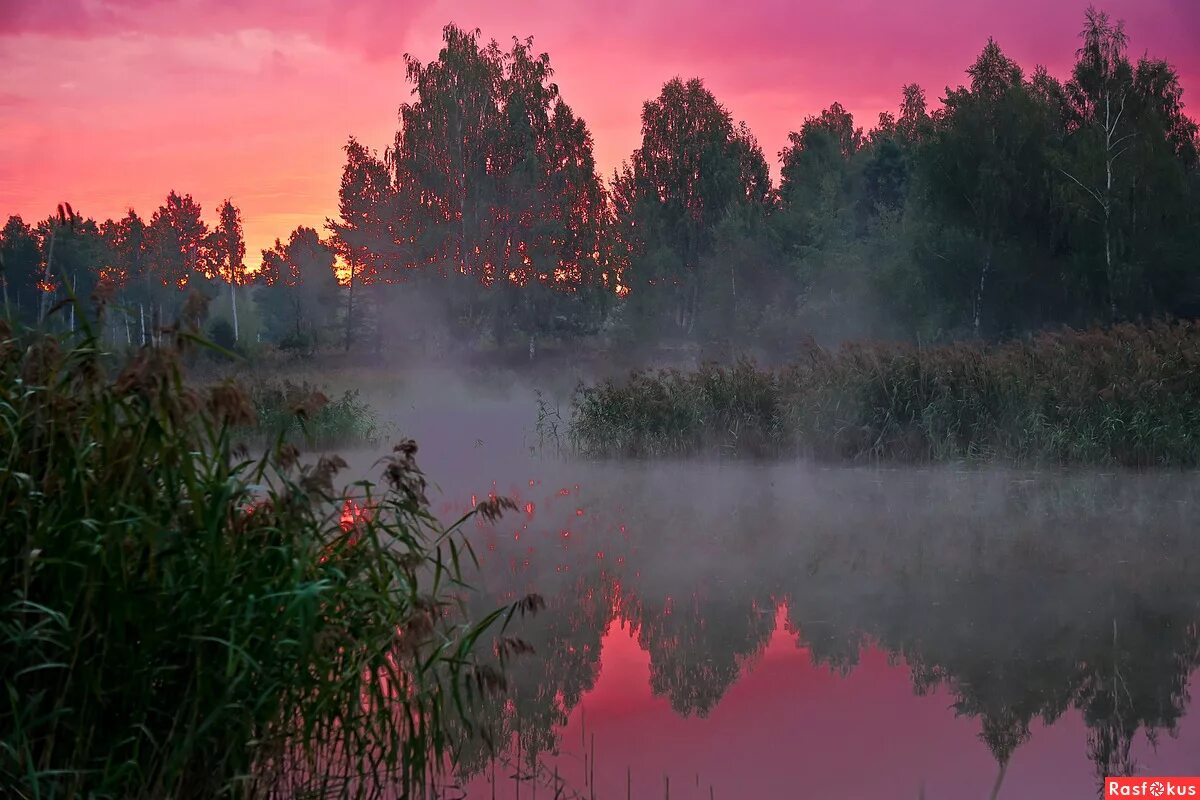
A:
{"points": [[1020, 202]]}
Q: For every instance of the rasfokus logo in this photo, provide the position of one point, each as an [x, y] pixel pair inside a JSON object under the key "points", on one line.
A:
{"points": [[1152, 786]]}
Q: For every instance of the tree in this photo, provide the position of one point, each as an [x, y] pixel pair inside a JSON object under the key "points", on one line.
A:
{"points": [[301, 305], [985, 167], [129, 241], [176, 243], [176, 246], [228, 249], [496, 189], [816, 179], [126, 243], [363, 235], [73, 254], [1100, 93], [694, 166], [1130, 149], [21, 266]]}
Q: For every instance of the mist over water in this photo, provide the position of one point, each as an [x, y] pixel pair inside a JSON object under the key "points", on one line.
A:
{"points": [[849, 632]]}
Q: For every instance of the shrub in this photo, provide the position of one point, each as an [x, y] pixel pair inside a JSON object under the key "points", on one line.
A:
{"points": [[220, 332]]}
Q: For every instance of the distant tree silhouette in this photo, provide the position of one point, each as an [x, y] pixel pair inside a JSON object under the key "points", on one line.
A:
{"points": [[299, 306], [227, 247], [694, 167], [21, 262]]}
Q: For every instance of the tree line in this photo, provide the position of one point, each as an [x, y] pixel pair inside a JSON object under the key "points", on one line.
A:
{"points": [[1020, 202], [145, 270]]}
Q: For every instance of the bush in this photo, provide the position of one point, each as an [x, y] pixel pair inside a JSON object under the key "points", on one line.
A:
{"points": [[178, 621], [220, 333]]}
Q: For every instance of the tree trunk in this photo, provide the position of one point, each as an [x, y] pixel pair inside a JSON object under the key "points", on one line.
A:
{"points": [[233, 304], [45, 298], [999, 780], [350, 308], [142, 318], [1108, 267], [983, 273]]}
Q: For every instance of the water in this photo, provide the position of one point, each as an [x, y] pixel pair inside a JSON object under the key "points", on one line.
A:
{"points": [[776, 630]]}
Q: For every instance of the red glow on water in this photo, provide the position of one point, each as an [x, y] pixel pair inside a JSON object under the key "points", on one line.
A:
{"points": [[579, 512], [529, 507], [352, 515], [564, 492], [566, 534]]}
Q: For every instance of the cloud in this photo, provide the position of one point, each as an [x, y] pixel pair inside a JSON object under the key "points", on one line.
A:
{"points": [[374, 29]]}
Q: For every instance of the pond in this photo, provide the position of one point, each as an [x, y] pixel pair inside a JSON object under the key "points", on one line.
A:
{"points": [[734, 630]]}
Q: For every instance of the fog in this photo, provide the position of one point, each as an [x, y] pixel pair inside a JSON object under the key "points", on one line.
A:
{"points": [[1009, 602]]}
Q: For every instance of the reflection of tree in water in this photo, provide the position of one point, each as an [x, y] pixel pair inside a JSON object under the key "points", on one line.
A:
{"points": [[698, 642], [1138, 682], [1021, 601], [544, 687]]}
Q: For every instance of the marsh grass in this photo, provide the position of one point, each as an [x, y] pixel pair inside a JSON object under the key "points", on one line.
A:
{"points": [[1129, 395], [178, 620], [342, 421]]}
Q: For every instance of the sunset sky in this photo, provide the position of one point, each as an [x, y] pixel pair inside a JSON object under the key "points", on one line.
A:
{"points": [[109, 104]]}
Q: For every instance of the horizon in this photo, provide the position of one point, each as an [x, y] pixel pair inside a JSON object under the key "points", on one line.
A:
{"points": [[198, 64]]}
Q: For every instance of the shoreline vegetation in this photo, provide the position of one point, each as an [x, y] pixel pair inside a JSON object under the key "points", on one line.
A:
{"points": [[1123, 396], [180, 619]]}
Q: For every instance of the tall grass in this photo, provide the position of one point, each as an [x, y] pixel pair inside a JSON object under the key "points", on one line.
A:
{"points": [[1129, 395], [177, 620], [344, 420]]}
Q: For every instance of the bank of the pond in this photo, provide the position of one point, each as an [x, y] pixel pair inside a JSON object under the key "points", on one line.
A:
{"points": [[1126, 395]]}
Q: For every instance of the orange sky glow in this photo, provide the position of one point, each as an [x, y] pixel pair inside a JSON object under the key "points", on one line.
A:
{"points": [[109, 104]]}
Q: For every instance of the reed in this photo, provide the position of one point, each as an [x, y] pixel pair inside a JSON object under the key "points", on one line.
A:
{"points": [[1126, 395], [179, 620], [344, 420]]}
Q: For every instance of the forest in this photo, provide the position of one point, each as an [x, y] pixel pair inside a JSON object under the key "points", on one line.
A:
{"points": [[1014, 203]]}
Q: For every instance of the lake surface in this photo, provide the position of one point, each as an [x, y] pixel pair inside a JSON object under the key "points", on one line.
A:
{"points": [[742, 630]]}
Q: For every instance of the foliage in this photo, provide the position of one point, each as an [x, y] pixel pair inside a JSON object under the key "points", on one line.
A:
{"points": [[299, 304], [220, 333], [346, 420], [1127, 395], [693, 168], [1015, 202], [179, 621], [489, 195]]}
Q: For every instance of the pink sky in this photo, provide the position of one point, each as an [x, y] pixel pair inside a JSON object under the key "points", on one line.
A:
{"points": [[111, 103]]}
